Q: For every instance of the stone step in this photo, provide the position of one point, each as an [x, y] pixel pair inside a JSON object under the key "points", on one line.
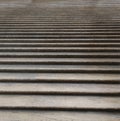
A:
{"points": [[21, 115], [59, 49], [56, 36], [60, 77], [59, 88], [61, 61], [60, 40], [83, 55], [59, 102], [57, 44], [57, 26], [59, 69], [61, 24], [47, 33], [86, 30], [56, 21]]}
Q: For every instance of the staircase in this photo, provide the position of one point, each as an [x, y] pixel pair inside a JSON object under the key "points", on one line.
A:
{"points": [[60, 63]]}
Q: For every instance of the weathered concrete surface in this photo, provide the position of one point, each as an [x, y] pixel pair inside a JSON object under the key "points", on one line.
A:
{"points": [[59, 60], [57, 116], [85, 10]]}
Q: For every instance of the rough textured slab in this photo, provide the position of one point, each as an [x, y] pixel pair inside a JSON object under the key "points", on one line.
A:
{"points": [[63, 40], [57, 27], [59, 77], [59, 69], [57, 116], [98, 55], [59, 35], [17, 44], [60, 61], [60, 102], [59, 88]]}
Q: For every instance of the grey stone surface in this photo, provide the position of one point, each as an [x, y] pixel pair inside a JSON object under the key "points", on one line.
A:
{"points": [[59, 60]]}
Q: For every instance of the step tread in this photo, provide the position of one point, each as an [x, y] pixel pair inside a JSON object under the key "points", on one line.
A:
{"points": [[60, 49], [72, 60], [57, 116], [58, 77], [69, 44], [61, 67], [59, 88], [60, 102]]}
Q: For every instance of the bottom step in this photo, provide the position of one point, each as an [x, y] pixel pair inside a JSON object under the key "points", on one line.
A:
{"points": [[57, 116]]}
